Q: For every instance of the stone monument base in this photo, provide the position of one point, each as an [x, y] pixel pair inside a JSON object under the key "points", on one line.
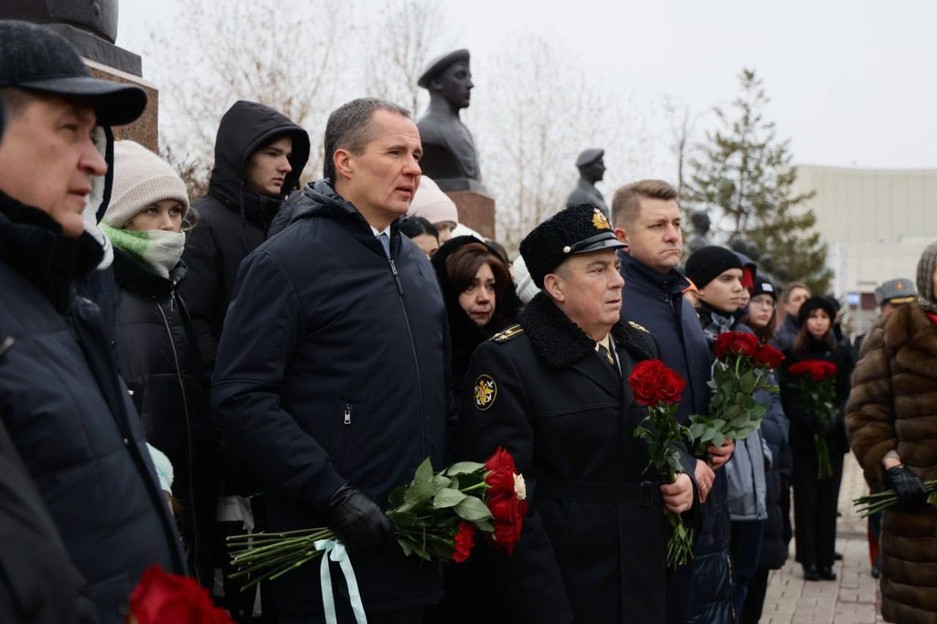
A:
{"points": [[476, 211], [144, 130]]}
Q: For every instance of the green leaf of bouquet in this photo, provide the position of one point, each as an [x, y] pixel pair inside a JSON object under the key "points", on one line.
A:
{"points": [[424, 472], [405, 546], [440, 482], [461, 468], [447, 497], [747, 382], [472, 508], [396, 496], [420, 492], [404, 519]]}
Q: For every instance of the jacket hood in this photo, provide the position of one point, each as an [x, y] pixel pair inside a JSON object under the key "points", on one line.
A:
{"points": [[32, 243], [245, 128]]}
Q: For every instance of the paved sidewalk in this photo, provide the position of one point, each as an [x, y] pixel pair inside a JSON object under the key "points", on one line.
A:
{"points": [[853, 598]]}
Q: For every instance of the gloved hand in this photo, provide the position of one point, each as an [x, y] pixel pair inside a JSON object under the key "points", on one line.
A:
{"points": [[907, 485], [357, 519]]}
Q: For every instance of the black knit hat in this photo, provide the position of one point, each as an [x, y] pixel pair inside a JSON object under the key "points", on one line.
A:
{"points": [[763, 287], [35, 58], [578, 229], [816, 303], [706, 263]]}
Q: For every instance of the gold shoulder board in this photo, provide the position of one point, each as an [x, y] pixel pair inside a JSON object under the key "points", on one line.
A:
{"points": [[507, 334], [638, 327]]}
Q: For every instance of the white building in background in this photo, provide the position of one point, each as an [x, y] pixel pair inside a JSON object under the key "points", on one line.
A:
{"points": [[876, 223]]}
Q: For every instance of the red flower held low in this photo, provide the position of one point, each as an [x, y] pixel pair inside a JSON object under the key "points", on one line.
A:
{"points": [[161, 597], [507, 507], [463, 542], [652, 383], [735, 342]]}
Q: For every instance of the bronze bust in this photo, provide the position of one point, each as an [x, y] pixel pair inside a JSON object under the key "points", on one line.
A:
{"points": [[591, 164], [449, 155], [700, 236]]}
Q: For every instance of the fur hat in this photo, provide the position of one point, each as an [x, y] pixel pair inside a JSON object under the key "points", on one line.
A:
{"points": [[707, 263], [35, 58], [576, 230], [926, 266], [141, 178], [898, 290], [432, 204]]}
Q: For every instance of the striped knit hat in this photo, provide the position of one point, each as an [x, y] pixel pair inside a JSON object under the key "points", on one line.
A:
{"points": [[925, 279]]}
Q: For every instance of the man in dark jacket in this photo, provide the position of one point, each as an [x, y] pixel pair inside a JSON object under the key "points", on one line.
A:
{"points": [[67, 412], [259, 156], [647, 219], [332, 368], [554, 391]]}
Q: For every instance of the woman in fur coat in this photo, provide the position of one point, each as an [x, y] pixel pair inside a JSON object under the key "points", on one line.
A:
{"points": [[891, 421]]}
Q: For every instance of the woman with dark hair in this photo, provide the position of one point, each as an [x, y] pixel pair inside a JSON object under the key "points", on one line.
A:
{"points": [[815, 495], [423, 233], [479, 295], [761, 317]]}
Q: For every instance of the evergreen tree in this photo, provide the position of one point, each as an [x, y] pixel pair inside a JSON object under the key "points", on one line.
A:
{"points": [[742, 175]]}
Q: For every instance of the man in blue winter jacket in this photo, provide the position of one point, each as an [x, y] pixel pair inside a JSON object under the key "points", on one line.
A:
{"points": [[331, 372], [646, 217]]}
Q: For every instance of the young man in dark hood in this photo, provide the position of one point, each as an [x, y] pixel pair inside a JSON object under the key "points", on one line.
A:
{"points": [[259, 156]]}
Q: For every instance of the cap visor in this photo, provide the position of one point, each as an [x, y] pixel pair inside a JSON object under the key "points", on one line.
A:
{"points": [[605, 243], [114, 104]]}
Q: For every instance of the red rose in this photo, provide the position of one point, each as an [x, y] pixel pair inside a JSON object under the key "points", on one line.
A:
{"points": [[817, 369], [161, 597], [652, 383], [735, 342], [768, 357], [507, 509], [463, 541]]}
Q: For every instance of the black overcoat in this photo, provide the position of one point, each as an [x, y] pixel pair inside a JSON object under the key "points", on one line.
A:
{"points": [[593, 544]]}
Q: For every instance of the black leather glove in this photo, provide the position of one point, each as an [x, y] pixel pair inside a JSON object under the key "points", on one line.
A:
{"points": [[357, 519], [908, 486]]}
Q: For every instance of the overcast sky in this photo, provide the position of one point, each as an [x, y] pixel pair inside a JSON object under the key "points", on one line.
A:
{"points": [[852, 82]]}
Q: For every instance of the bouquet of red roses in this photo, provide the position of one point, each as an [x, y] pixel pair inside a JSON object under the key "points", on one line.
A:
{"points": [[659, 388], [436, 515], [161, 597], [815, 381], [742, 368]]}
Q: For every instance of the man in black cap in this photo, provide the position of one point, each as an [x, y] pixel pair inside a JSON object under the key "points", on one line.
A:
{"points": [[554, 391], [67, 412], [591, 165], [449, 150]]}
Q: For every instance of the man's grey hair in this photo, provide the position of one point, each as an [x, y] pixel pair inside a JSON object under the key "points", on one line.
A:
{"points": [[349, 127]]}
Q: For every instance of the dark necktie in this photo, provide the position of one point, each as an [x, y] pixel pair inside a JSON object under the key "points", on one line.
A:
{"points": [[606, 357]]}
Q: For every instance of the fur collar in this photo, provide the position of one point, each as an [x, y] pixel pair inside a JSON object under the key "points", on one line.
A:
{"points": [[561, 343]]}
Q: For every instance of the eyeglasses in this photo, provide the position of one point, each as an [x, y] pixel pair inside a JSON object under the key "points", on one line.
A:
{"points": [[768, 303]]}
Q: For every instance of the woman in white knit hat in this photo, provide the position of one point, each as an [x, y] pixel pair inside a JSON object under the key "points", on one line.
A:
{"points": [[156, 347]]}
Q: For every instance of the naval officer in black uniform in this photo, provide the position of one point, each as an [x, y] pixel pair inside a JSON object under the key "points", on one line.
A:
{"points": [[554, 391]]}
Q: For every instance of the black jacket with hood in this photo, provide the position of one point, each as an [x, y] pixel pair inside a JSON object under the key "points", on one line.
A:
{"points": [[333, 369], [232, 219], [70, 416]]}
